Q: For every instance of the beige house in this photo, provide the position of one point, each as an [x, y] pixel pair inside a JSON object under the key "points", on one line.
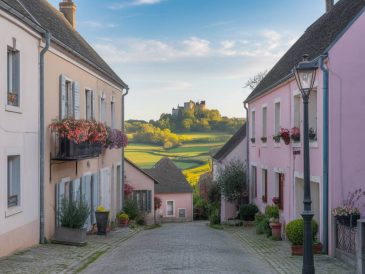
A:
{"points": [[78, 84]]}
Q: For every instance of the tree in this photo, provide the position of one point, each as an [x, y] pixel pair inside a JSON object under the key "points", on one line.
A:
{"points": [[232, 181], [255, 80]]}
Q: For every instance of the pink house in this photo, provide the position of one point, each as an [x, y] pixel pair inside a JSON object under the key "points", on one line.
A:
{"points": [[174, 191], [336, 110], [234, 149], [143, 189]]}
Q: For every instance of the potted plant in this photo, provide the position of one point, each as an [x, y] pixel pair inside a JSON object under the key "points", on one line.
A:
{"points": [[312, 134], [276, 201], [102, 219], [285, 135], [276, 137], [295, 134], [263, 139], [73, 216], [275, 228], [253, 140], [131, 208], [123, 219], [115, 139], [295, 234], [247, 213]]}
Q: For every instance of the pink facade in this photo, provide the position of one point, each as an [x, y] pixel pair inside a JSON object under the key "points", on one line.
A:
{"points": [[180, 202], [347, 112], [269, 161]]}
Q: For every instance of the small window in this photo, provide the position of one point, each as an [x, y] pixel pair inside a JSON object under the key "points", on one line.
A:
{"points": [[264, 185], [89, 105], [297, 111], [312, 109], [102, 110], [69, 104], [281, 179], [253, 124], [13, 72], [170, 208], [277, 118], [112, 115], [254, 180], [182, 212], [13, 181], [143, 199], [264, 125]]}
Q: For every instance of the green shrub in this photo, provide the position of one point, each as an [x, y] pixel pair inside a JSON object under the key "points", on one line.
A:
{"points": [[247, 212], [295, 231], [74, 213], [272, 211], [214, 216], [262, 224], [140, 219], [131, 209]]}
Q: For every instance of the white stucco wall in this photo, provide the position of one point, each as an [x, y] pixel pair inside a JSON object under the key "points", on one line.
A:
{"points": [[19, 226]]}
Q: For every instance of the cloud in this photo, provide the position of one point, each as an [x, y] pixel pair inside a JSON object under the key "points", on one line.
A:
{"points": [[134, 50], [133, 3]]}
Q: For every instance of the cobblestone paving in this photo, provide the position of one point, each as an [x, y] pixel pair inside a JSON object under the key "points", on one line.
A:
{"points": [[181, 248], [52, 258], [277, 254]]}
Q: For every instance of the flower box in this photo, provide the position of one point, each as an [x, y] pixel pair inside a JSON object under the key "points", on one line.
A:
{"points": [[312, 134], [298, 250], [263, 139], [295, 134], [253, 140], [276, 138], [71, 150]]}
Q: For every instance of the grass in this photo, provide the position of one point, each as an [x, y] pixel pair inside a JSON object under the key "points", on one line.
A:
{"points": [[192, 157], [218, 226]]}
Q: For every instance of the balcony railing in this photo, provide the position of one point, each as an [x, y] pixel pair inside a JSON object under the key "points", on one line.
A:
{"points": [[64, 149]]}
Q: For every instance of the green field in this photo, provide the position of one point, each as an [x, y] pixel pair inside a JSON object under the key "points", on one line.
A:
{"points": [[192, 157]]}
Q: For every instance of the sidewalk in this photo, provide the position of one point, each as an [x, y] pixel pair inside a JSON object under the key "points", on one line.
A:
{"points": [[53, 258], [278, 254]]}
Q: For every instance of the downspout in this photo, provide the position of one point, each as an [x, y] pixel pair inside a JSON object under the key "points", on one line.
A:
{"points": [[247, 155], [122, 165], [41, 137], [325, 153]]}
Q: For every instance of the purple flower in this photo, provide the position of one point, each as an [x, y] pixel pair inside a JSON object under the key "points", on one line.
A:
{"points": [[116, 139]]}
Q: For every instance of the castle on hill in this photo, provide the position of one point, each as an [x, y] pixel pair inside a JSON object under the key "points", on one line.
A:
{"points": [[200, 106]]}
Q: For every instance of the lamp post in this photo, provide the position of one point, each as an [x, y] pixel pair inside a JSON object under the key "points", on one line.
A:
{"points": [[305, 74]]}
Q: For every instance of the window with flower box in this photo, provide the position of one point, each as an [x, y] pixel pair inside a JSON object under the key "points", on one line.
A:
{"points": [[264, 185], [296, 104], [143, 199], [254, 180], [89, 104], [312, 115], [13, 79], [13, 180], [253, 126], [277, 118], [264, 125]]}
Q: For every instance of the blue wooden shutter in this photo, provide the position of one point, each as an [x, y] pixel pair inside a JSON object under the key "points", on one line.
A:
{"points": [[62, 97], [149, 200], [76, 99]]}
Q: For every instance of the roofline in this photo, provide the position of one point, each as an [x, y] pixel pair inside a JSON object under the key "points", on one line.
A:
{"points": [[325, 53], [231, 148], [141, 170]]}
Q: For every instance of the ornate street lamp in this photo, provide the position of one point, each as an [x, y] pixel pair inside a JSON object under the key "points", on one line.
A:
{"points": [[305, 74]]}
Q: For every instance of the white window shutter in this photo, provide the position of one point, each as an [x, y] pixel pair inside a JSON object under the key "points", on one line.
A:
{"points": [[76, 95], [62, 97], [92, 104]]}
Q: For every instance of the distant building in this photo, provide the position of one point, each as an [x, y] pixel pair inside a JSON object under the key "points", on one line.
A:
{"points": [[201, 106]]}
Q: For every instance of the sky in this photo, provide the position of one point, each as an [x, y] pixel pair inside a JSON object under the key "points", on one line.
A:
{"points": [[171, 51]]}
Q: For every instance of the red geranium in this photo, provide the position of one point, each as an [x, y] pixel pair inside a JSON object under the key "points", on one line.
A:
{"points": [[285, 135]]}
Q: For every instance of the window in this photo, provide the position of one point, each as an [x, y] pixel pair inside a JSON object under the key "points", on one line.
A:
{"points": [[277, 118], [102, 110], [254, 180], [170, 208], [89, 105], [13, 181], [264, 185], [253, 120], [281, 179], [182, 212], [13, 72], [143, 199], [264, 125], [112, 114], [69, 104], [297, 111], [312, 109]]}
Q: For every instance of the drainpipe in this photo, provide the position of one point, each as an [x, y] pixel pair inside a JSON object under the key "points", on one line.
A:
{"points": [[122, 166], [41, 136], [325, 153], [247, 154]]}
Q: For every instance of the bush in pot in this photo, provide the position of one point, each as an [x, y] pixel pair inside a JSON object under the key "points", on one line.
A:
{"points": [[123, 219], [131, 208], [102, 219], [248, 212], [262, 224], [295, 234], [73, 216]]}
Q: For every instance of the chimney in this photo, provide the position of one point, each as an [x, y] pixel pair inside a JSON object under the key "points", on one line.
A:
{"points": [[329, 5], [68, 8]]}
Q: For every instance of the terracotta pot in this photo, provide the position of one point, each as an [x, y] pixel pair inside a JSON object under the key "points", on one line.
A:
{"points": [[123, 223], [276, 231], [298, 250]]}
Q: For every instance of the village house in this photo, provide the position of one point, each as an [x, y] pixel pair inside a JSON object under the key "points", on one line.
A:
{"points": [[174, 191], [78, 85], [336, 110], [234, 150], [19, 108], [143, 187]]}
